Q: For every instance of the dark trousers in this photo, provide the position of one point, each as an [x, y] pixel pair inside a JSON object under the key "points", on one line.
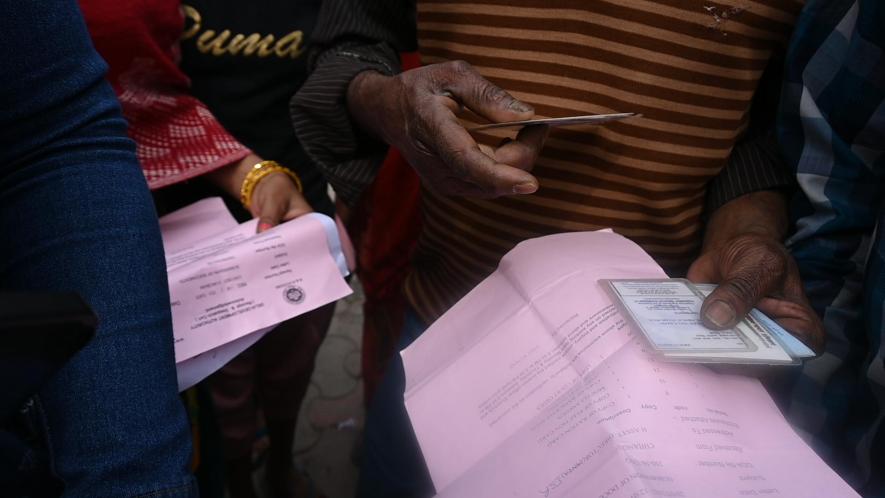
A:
{"points": [[392, 465]]}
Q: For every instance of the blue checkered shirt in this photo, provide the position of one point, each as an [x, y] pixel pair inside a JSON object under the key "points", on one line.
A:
{"points": [[832, 131]]}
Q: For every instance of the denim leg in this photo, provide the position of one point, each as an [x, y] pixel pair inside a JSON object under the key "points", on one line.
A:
{"points": [[76, 215], [392, 465], [116, 425]]}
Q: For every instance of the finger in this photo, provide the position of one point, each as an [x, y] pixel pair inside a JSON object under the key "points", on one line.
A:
{"points": [[451, 185], [750, 270], [793, 288], [466, 86], [736, 295], [523, 152], [798, 319], [269, 215], [703, 270], [298, 207], [461, 155]]}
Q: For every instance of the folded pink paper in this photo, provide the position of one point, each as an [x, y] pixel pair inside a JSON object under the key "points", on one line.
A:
{"points": [[227, 283], [534, 385]]}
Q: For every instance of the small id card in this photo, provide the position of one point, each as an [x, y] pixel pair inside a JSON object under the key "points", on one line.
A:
{"points": [[667, 312]]}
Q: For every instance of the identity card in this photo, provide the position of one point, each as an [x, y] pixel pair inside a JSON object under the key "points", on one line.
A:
{"points": [[667, 312]]}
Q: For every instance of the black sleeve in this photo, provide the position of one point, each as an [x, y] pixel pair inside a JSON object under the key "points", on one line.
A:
{"points": [[352, 36], [755, 162]]}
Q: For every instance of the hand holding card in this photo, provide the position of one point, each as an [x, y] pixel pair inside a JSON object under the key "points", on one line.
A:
{"points": [[667, 312]]}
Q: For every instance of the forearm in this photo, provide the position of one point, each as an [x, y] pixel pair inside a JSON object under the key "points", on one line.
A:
{"points": [[230, 178], [352, 36], [357, 48], [347, 155], [366, 102], [756, 162], [755, 165]]}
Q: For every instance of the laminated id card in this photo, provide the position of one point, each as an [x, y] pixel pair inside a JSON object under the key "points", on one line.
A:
{"points": [[667, 312]]}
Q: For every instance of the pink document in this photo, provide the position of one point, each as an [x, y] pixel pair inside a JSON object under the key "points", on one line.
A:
{"points": [[533, 385], [229, 285]]}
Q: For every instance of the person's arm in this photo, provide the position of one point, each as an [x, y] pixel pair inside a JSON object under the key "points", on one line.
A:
{"points": [[743, 251], [275, 199], [351, 37], [755, 163], [354, 103], [747, 221], [177, 136]]}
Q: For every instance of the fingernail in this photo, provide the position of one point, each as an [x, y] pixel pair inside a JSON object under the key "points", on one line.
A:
{"points": [[516, 105], [720, 314], [525, 188], [264, 226]]}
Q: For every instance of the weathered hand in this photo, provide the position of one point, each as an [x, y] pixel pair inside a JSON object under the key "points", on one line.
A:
{"points": [[415, 112], [743, 253], [275, 200], [756, 271]]}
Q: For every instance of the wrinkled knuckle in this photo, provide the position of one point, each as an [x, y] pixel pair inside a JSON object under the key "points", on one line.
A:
{"points": [[765, 255], [772, 256], [423, 82], [419, 127], [459, 67], [493, 94], [422, 147]]}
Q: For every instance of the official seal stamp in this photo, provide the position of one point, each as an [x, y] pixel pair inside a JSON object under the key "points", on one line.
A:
{"points": [[294, 294]]}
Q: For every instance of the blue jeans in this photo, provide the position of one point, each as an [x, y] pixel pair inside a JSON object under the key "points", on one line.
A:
{"points": [[392, 465], [76, 215]]}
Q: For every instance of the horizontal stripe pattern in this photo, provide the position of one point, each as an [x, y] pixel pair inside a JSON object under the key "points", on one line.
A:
{"points": [[691, 76]]}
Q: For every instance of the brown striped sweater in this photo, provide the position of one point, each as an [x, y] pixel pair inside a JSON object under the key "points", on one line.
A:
{"points": [[691, 67]]}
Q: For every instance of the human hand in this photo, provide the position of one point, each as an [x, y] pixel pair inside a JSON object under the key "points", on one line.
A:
{"points": [[743, 253], [754, 271], [415, 112], [275, 198]]}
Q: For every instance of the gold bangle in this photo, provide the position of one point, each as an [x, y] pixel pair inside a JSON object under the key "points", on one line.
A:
{"points": [[258, 172]]}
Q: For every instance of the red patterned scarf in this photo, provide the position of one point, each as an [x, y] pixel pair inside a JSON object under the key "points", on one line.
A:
{"points": [[177, 137]]}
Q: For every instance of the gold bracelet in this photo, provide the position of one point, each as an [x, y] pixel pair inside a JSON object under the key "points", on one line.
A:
{"points": [[258, 172]]}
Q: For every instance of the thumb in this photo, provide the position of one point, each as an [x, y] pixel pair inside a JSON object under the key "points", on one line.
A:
{"points": [[735, 296], [750, 268], [270, 216]]}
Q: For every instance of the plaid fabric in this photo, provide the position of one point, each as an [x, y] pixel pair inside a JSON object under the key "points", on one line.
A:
{"points": [[832, 130]]}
